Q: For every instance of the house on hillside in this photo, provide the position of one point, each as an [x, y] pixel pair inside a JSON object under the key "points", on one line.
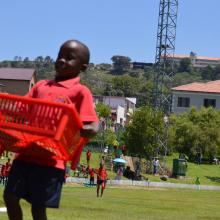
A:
{"points": [[197, 61], [196, 94], [17, 80], [121, 107], [141, 65]]}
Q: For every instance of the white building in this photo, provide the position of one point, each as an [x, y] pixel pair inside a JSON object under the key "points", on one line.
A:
{"points": [[196, 94], [121, 107], [197, 61]]}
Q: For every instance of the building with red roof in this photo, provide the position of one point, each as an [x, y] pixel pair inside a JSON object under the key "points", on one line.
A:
{"points": [[197, 61], [196, 94]]}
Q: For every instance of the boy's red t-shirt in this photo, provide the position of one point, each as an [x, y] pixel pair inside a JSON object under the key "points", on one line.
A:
{"points": [[91, 173], [64, 91], [102, 174], [8, 166], [3, 170], [88, 154]]}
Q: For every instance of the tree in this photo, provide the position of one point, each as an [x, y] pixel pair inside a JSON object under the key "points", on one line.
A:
{"points": [[120, 64], [149, 72], [105, 138], [185, 65], [207, 73], [5, 63], [185, 135], [145, 94], [125, 85], [110, 137], [104, 66], [185, 78], [141, 132], [217, 72], [27, 63], [196, 130], [103, 110], [47, 62]]}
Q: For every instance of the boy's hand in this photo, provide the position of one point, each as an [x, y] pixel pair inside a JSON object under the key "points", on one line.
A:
{"points": [[89, 129]]}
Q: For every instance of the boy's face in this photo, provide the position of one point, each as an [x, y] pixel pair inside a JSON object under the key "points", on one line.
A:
{"points": [[69, 62]]}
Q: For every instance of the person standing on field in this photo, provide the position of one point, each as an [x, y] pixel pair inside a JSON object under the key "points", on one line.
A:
{"points": [[101, 179], [88, 156]]}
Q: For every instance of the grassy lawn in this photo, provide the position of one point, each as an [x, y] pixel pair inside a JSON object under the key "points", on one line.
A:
{"points": [[131, 203], [209, 174]]}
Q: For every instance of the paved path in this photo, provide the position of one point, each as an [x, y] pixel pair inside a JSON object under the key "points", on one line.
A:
{"points": [[146, 183]]}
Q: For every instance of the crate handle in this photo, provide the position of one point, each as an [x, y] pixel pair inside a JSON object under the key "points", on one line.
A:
{"points": [[61, 127]]}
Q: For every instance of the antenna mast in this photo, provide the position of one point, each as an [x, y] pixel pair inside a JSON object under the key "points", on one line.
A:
{"points": [[164, 64], [165, 48]]}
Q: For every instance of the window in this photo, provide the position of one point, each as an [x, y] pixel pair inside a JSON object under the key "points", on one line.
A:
{"points": [[210, 102], [183, 102]]}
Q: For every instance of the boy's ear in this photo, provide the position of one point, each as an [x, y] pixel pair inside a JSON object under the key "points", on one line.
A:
{"points": [[84, 67]]}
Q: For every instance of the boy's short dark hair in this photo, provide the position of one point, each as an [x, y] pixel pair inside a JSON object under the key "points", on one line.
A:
{"points": [[85, 53]]}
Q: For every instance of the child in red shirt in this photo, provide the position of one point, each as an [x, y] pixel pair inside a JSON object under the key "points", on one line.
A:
{"points": [[36, 179], [92, 176], [8, 167], [88, 156], [3, 174], [101, 179]]}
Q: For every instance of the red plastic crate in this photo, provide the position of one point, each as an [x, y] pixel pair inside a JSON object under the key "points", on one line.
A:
{"points": [[40, 127]]}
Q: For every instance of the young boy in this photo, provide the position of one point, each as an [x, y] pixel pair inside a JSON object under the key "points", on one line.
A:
{"points": [[91, 175], [88, 156], [39, 180], [101, 179]]}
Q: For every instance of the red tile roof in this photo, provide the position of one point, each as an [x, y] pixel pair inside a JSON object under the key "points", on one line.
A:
{"points": [[208, 87], [16, 73], [181, 56]]}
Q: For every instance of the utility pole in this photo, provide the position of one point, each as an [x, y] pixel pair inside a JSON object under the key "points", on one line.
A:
{"points": [[164, 64]]}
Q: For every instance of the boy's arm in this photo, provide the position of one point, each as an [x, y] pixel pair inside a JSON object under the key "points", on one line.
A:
{"points": [[87, 114], [89, 129]]}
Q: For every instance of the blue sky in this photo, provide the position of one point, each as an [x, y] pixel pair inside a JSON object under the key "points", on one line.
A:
{"points": [[114, 27]]}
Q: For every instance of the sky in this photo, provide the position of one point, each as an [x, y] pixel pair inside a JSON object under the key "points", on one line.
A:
{"points": [[108, 27]]}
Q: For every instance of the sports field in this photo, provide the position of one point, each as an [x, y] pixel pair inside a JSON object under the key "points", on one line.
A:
{"points": [[81, 203]]}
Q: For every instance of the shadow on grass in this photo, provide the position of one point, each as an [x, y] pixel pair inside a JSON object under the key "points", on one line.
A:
{"points": [[213, 178]]}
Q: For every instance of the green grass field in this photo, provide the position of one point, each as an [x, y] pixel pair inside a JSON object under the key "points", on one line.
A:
{"points": [[81, 203], [137, 203]]}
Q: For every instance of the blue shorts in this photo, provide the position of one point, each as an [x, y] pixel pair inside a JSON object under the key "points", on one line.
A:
{"points": [[39, 185]]}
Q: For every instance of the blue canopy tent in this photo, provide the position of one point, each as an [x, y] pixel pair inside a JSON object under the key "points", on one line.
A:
{"points": [[119, 160]]}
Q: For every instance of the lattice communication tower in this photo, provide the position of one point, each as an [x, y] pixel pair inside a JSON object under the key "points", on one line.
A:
{"points": [[165, 48]]}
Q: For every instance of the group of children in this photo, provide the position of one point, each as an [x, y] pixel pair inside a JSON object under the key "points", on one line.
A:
{"points": [[101, 178], [100, 172]]}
